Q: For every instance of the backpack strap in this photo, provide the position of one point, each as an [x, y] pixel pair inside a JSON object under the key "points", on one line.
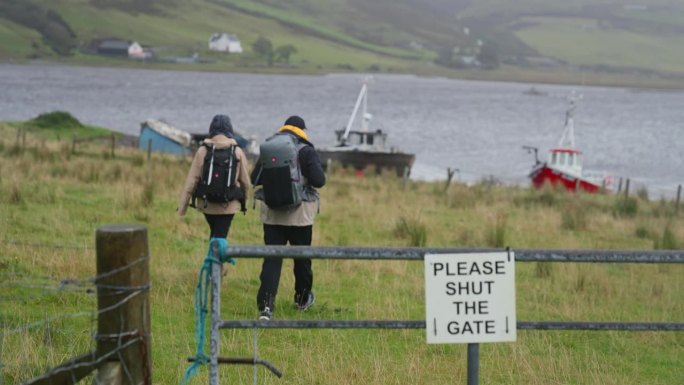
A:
{"points": [[193, 201], [230, 165]]}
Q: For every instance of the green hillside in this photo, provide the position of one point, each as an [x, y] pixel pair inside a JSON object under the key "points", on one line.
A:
{"points": [[419, 36]]}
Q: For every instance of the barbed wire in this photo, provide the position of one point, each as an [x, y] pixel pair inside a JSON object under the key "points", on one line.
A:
{"points": [[48, 284], [44, 245], [133, 292]]}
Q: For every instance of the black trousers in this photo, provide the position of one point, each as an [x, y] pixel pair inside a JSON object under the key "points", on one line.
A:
{"points": [[219, 225], [271, 267]]}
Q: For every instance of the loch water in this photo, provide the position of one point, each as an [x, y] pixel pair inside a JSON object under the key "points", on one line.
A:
{"points": [[476, 127]]}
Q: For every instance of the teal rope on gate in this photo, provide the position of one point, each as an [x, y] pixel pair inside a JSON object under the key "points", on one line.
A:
{"points": [[202, 299]]}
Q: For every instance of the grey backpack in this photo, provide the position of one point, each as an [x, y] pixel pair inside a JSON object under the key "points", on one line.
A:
{"points": [[281, 175]]}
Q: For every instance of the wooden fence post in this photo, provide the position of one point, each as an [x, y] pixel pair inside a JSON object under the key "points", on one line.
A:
{"points": [[113, 144], [18, 137], [627, 188], [679, 196], [123, 299], [73, 144], [450, 174], [149, 148], [619, 186]]}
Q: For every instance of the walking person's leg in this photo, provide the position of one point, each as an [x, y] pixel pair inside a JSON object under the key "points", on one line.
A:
{"points": [[301, 236], [270, 269], [219, 225]]}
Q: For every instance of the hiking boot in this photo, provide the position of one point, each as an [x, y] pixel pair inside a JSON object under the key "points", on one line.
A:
{"points": [[266, 314], [309, 301]]}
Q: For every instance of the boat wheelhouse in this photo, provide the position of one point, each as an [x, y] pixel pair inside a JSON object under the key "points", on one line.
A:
{"points": [[564, 165]]}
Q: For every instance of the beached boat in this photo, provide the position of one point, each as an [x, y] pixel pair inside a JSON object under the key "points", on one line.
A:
{"points": [[160, 136], [564, 165], [362, 149]]}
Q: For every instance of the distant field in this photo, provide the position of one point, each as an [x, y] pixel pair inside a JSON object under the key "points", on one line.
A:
{"points": [[588, 42]]}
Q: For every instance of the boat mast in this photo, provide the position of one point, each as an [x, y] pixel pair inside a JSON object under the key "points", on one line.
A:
{"points": [[361, 98], [569, 131], [365, 117]]}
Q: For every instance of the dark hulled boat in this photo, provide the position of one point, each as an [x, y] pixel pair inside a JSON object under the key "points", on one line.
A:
{"points": [[365, 149]]}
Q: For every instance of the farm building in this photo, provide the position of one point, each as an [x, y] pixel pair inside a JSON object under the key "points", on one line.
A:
{"points": [[163, 137], [118, 47], [224, 42]]}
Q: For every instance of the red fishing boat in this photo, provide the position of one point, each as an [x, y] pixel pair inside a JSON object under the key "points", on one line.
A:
{"points": [[564, 165]]}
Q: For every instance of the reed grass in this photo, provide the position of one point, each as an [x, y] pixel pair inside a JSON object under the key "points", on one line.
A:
{"points": [[50, 196]]}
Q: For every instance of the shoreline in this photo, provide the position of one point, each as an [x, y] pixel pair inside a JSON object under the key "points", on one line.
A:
{"points": [[674, 83]]}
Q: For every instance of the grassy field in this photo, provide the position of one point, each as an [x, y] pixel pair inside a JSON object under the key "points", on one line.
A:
{"points": [[52, 201], [588, 42]]}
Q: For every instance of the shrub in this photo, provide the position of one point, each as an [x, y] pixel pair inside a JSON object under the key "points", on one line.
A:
{"points": [[626, 207], [55, 120], [642, 232]]}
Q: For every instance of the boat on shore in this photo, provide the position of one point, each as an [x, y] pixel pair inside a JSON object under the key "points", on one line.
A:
{"points": [[363, 148], [161, 136], [564, 165]]}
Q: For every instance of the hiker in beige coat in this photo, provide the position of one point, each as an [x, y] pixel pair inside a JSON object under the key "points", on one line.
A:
{"points": [[218, 215]]}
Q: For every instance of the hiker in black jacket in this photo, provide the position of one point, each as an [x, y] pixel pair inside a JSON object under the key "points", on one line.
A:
{"points": [[292, 225]]}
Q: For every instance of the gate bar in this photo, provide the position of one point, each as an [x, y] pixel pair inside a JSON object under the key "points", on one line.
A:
{"points": [[391, 324], [418, 253]]}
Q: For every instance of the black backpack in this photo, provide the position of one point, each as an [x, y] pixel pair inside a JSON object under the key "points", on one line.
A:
{"points": [[219, 174]]}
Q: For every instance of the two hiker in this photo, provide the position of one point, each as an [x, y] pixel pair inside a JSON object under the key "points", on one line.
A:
{"points": [[288, 171]]}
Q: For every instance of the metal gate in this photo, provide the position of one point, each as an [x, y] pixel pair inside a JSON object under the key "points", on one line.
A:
{"points": [[418, 254]]}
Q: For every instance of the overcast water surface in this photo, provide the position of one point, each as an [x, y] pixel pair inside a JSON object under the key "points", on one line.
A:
{"points": [[477, 127]]}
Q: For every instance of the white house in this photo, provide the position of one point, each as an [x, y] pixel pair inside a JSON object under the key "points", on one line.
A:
{"points": [[224, 42], [136, 51]]}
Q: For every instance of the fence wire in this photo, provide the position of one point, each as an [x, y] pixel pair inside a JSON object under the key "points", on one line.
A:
{"points": [[37, 347]]}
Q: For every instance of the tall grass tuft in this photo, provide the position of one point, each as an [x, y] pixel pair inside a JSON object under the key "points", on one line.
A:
{"points": [[15, 197], [412, 230], [496, 236], [15, 150], [642, 231], [547, 196], [147, 195], [574, 216], [626, 207], [668, 241], [460, 196], [543, 270], [642, 193]]}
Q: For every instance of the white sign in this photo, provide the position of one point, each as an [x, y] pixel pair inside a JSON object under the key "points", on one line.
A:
{"points": [[470, 298]]}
